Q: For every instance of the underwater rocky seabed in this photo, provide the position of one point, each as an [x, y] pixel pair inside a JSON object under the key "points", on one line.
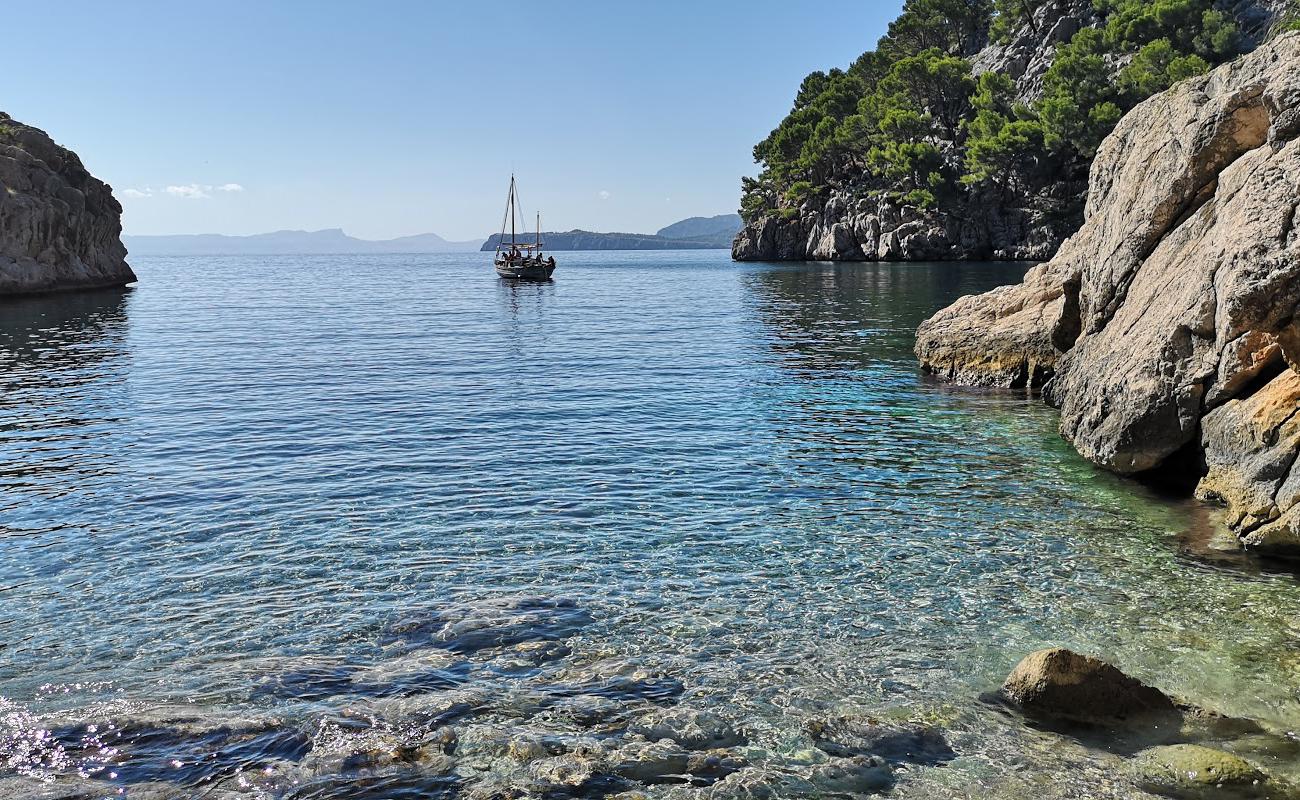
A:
{"points": [[267, 533]]}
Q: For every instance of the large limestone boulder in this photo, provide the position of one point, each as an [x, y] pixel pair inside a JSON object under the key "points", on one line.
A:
{"points": [[1010, 337], [60, 227], [1176, 301], [1189, 236], [1061, 684]]}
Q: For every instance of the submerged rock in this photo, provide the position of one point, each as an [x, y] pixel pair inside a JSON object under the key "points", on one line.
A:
{"points": [[1193, 771], [692, 729], [60, 227], [897, 744], [836, 777], [493, 622], [1062, 684]]}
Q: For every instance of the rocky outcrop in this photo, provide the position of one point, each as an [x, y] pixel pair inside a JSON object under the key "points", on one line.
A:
{"points": [[845, 228], [1010, 337], [852, 224], [1168, 321], [60, 227], [1251, 445]]}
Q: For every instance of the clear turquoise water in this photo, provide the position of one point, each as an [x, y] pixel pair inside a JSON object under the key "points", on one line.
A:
{"points": [[245, 465]]}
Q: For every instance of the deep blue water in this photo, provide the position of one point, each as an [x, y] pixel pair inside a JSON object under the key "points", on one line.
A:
{"points": [[244, 468]]}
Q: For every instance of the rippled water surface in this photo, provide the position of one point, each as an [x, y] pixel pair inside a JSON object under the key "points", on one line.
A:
{"points": [[253, 511]]}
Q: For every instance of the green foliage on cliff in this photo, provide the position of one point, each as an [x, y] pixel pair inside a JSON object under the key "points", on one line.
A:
{"points": [[1166, 40], [1290, 20], [909, 121]]}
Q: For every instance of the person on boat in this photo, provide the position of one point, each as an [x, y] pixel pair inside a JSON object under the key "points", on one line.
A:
{"points": [[550, 262]]}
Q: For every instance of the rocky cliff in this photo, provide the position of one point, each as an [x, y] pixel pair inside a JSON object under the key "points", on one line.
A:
{"points": [[855, 224], [858, 219], [60, 227], [1167, 327]]}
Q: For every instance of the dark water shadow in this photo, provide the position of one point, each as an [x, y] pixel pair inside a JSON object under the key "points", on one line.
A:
{"points": [[63, 329]]}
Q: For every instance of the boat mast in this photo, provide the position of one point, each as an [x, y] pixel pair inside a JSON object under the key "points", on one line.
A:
{"points": [[539, 234], [513, 206]]}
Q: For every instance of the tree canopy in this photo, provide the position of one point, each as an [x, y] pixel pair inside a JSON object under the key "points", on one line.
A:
{"points": [[911, 121]]}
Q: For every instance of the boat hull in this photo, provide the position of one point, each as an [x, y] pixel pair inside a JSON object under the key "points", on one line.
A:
{"points": [[528, 272]]}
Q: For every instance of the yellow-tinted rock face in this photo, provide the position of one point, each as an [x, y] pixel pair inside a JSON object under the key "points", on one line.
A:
{"points": [[1250, 445]]}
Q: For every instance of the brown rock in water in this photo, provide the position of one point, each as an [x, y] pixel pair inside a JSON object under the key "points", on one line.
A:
{"points": [[1062, 684], [60, 227]]}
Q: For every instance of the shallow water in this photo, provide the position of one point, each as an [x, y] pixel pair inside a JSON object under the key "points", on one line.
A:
{"points": [[224, 491]]}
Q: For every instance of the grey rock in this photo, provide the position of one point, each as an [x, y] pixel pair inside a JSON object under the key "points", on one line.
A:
{"points": [[493, 622], [835, 777], [897, 743], [60, 227], [694, 730], [1028, 53]]}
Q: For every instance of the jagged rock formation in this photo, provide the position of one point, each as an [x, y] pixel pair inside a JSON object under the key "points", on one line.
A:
{"points": [[1027, 54], [60, 227], [876, 229], [1169, 320]]}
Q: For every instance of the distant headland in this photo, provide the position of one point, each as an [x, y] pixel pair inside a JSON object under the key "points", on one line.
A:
{"points": [[693, 233]]}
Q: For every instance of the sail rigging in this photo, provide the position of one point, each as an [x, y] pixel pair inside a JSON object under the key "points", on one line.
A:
{"points": [[516, 258]]}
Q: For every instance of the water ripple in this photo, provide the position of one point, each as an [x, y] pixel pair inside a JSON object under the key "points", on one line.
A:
{"points": [[224, 488]]}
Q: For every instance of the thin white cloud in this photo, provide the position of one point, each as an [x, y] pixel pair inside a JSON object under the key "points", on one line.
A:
{"points": [[230, 187], [192, 191], [603, 194], [145, 192]]}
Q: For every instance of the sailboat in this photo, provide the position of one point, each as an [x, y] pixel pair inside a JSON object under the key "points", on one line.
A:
{"points": [[516, 259]]}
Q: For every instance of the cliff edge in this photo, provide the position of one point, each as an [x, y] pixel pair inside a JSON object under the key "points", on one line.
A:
{"points": [[1166, 327], [60, 227]]}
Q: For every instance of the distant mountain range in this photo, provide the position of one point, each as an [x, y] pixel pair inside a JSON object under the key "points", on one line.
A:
{"points": [[329, 241], [694, 233]]}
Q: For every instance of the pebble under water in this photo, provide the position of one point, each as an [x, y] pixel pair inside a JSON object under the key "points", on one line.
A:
{"points": [[387, 527]]}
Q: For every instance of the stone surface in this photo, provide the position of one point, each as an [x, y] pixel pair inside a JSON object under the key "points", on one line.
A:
{"points": [[60, 227], [1188, 246], [1062, 684], [1251, 446], [847, 228], [845, 737], [1027, 53], [1189, 770], [692, 729], [1175, 302], [1011, 337]]}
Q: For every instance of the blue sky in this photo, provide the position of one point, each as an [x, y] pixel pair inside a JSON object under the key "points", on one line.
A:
{"points": [[393, 118]]}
